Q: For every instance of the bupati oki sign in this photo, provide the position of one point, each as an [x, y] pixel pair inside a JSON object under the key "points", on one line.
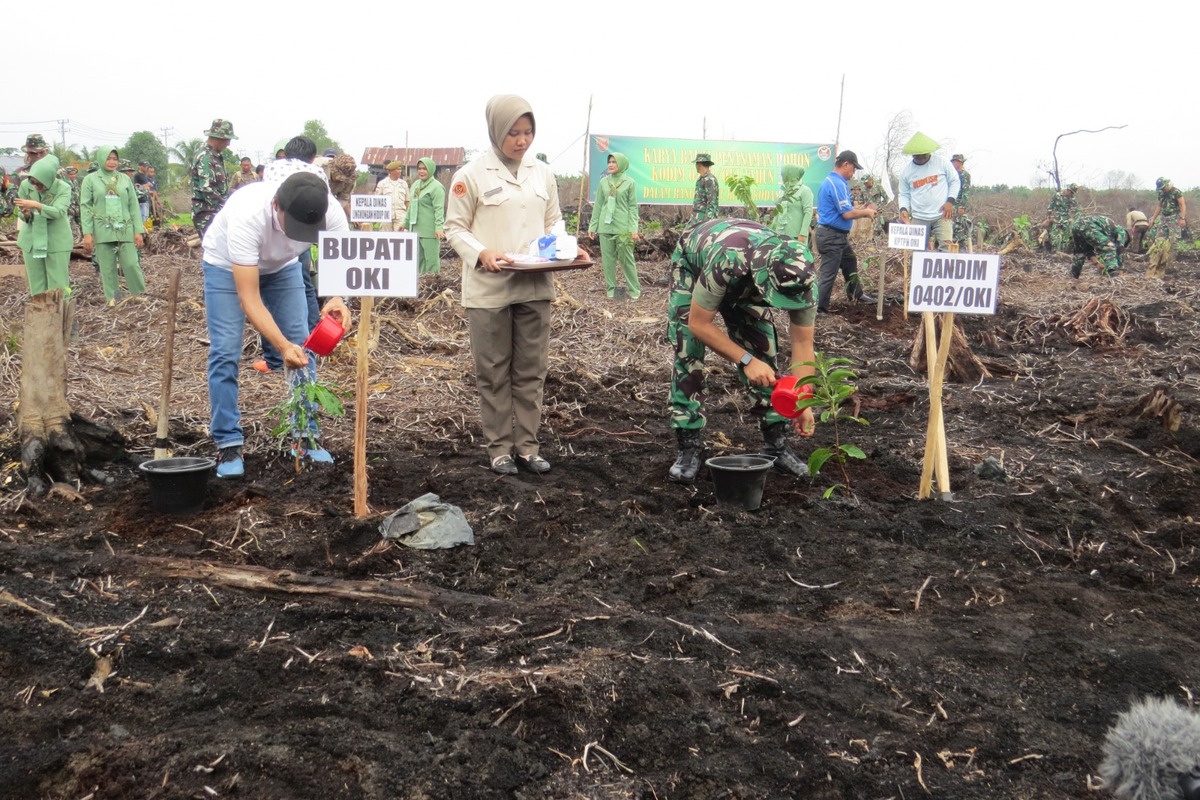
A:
{"points": [[367, 264], [370, 208], [964, 283]]}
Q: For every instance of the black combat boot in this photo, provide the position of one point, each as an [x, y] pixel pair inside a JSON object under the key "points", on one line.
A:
{"points": [[775, 444], [687, 463]]}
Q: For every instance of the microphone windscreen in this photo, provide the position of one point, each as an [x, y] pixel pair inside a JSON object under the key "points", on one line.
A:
{"points": [[1148, 748]]}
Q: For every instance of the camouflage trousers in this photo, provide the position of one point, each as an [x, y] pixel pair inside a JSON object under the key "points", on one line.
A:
{"points": [[1165, 228], [1106, 251], [1060, 236], [748, 325], [963, 225], [202, 218]]}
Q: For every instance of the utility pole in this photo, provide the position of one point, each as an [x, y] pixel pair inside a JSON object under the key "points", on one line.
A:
{"points": [[837, 137], [704, 128], [62, 132], [166, 134]]}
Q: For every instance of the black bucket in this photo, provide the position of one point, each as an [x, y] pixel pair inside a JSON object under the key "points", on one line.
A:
{"points": [[177, 485], [739, 480]]}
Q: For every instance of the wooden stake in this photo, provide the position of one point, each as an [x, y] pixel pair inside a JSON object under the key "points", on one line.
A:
{"points": [[587, 143], [879, 288], [924, 488], [362, 337], [161, 442], [907, 260], [936, 456], [943, 459]]}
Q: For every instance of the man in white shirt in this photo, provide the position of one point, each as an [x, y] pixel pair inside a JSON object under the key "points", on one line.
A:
{"points": [[928, 188], [251, 272], [396, 187]]}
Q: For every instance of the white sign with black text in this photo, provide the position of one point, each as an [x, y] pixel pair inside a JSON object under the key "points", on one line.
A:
{"points": [[906, 237], [963, 283], [370, 208], [367, 264]]}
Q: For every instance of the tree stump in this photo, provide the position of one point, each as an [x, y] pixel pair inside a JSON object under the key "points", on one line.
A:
{"points": [[56, 445], [962, 366]]}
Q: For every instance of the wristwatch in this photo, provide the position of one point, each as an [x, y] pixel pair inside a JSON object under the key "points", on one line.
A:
{"points": [[746, 359]]}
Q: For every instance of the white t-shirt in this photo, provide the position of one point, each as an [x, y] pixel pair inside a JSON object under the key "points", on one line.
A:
{"points": [[246, 231]]}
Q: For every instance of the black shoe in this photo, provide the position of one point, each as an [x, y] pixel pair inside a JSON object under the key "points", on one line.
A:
{"points": [[822, 310], [504, 465], [687, 463], [775, 444], [534, 463], [864, 298]]}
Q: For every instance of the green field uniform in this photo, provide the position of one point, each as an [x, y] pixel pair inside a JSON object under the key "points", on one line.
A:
{"points": [[794, 211], [45, 239], [109, 213], [427, 216], [615, 220], [742, 270], [1094, 235], [1062, 209], [706, 204], [209, 187], [962, 218]]}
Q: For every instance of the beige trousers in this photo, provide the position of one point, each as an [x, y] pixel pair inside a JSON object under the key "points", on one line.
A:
{"points": [[511, 346]]}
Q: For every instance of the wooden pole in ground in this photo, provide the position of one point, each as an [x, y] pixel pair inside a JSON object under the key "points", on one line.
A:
{"points": [[931, 428], [936, 456], [943, 459], [162, 444], [879, 289], [907, 261], [362, 338], [587, 143]]}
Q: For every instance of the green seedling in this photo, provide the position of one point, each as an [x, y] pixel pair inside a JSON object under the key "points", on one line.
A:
{"points": [[308, 398], [831, 388]]}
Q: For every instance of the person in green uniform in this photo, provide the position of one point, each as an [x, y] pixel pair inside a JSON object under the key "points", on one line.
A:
{"points": [[45, 239], [112, 225], [707, 203], [427, 215], [615, 220], [794, 211]]}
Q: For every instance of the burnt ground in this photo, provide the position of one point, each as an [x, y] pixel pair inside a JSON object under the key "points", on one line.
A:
{"points": [[612, 635]]}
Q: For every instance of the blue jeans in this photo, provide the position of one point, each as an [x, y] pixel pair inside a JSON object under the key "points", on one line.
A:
{"points": [[283, 295], [270, 354]]}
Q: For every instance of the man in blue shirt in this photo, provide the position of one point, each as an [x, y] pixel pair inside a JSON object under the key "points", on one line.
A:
{"points": [[836, 214]]}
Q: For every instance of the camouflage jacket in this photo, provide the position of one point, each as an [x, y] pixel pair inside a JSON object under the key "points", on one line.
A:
{"points": [[708, 194], [964, 190], [1092, 231], [875, 194], [1168, 201], [1062, 208], [209, 183], [745, 263], [73, 208], [240, 179]]}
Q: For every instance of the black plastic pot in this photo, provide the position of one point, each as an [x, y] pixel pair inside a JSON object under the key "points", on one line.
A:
{"points": [[178, 485], [740, 480]]}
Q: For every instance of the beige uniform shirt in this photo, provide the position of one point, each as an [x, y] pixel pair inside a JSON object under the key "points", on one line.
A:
{"points": [[1136, 219], [240, 179], [398, 189], [489, 209]]}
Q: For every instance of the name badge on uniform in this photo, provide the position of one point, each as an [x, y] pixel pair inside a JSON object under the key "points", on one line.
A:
{"points": [[491, 192]]}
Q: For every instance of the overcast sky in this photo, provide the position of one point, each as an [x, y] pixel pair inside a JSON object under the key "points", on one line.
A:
{"points": [[996, 81]]}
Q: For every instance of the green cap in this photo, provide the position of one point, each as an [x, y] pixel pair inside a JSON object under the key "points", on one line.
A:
{"points": [[220, 129], [704, 158], [788, 279], [920, 145], [35, 143]]}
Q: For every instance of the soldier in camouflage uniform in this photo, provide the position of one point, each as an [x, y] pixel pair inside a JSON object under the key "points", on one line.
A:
{"points": [[71, 176], [873, 193], [210, 186], [1171, 215], [8, 193], [35, 149], [1100, 239], [706, 204], [962, 220], [1063, 207], [740, 270]]}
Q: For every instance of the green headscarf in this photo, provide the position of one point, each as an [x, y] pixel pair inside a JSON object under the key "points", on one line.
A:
{"points": [[44, 171], [419, 186]]}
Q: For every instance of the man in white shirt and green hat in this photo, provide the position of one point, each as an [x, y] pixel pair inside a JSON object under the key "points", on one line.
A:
{"points": [[929, 185]]}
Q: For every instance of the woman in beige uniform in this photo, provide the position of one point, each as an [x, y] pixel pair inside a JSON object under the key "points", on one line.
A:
{"points": [[499, 203]]}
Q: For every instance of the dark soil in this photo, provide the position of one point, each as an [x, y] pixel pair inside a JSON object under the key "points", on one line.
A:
{"points": [[612, 635]]}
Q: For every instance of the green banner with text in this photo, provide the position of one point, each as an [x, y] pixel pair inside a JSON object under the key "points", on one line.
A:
{"points": [[664, 170]]}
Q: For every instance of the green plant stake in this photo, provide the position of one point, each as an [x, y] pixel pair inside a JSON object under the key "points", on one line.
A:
{"points": [[831, 388]]}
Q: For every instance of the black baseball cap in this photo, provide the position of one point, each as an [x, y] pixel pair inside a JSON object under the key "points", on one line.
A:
{"points": [[848, 155], [304, 199]]}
